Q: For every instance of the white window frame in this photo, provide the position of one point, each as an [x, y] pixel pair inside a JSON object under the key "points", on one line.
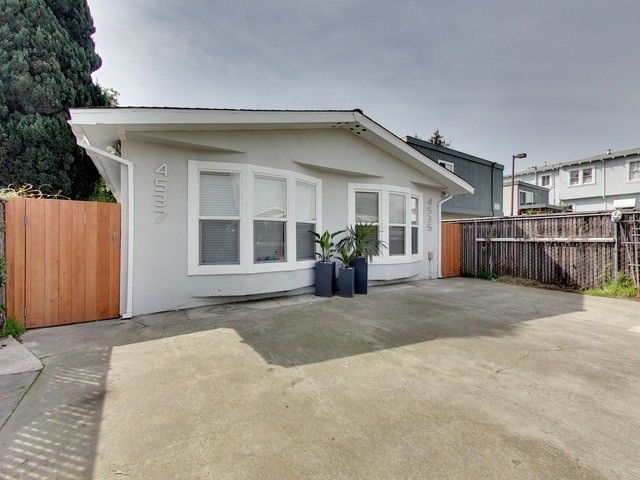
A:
{"points": [[581, 176], [448, 165], [629, 163], [384, 190], [246, 251], [527, 194], [542, 177]]}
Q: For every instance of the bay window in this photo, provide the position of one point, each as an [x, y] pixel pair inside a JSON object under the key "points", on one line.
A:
{"points": [[396, 211], [244, 218]]}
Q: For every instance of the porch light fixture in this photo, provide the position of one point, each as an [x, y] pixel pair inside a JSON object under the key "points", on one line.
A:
{"points": [[513, 177]]}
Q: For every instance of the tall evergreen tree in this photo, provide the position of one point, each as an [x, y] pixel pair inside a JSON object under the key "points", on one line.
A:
{"points": [[47, 56], [438, 139]]}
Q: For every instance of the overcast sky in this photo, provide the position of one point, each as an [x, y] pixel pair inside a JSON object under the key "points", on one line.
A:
{"points": [[557, 79]]}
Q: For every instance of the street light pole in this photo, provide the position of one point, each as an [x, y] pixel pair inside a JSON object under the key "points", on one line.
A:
{"points": [[513, 178]]}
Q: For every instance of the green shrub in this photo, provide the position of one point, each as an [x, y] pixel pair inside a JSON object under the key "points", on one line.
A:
{"points": [[12, 328], [621, 287], [482, 274]]}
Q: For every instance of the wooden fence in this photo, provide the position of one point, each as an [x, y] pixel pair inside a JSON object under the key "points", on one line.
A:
{"points": [[451, 255], [3, 264], [63, 261], [575, 250]]}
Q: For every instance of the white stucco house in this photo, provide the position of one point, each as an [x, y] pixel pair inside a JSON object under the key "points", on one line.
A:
{"points": [[218, 204]]}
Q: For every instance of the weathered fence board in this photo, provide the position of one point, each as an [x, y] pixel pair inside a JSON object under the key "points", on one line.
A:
{"points": [[571, 250], [63, 261]]}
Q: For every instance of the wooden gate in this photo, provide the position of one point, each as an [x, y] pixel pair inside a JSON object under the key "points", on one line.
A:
{"points": [[451, 258], [63, 261]]}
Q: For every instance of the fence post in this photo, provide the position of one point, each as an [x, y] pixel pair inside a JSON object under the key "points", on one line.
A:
{"points": [[475, 247]]}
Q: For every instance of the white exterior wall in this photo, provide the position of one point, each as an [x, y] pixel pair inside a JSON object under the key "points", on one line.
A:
{"points": [[611, 183], [336, 157]]}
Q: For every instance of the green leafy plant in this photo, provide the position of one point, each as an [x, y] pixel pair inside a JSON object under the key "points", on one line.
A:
{"points": [[482, 274], [621, 287], [12, 328], [346, 255], [325, 242], [363, 239]]}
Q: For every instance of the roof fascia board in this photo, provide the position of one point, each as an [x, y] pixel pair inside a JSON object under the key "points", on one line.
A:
{"points": [[168, 116], [411, 156]]}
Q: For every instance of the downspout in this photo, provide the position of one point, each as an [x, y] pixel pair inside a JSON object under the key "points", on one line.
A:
{"points": [[129, 298], [604, 184], [439, 208], [493, 200]]}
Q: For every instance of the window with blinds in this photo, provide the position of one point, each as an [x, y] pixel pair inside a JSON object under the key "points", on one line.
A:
{"points": [[250, 219], [397, 223], [219, 218], [269, 202], [368, 207], [305, 220], [415, 219], [396, 212]]}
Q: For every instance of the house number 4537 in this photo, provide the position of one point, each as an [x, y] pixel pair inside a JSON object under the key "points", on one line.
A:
{"points": [[160, 192]]}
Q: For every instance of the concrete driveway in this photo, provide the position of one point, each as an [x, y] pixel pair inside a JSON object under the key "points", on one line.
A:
{"points": [[450, 379]]}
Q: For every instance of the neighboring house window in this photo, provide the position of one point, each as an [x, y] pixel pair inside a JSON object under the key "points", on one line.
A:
{"points": [[396, 212], [582, 176], [447, 165], [545, 180], [245, 218], [634, 170], [526, 198]]}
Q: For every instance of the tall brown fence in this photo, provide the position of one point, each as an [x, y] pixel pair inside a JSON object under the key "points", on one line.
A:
{"points": [[63, 261], [451, 255], [577, 250]]}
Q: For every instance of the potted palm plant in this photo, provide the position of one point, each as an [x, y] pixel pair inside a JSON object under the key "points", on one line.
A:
{"points": [[325, 268], [346, 273], [363, 240]]}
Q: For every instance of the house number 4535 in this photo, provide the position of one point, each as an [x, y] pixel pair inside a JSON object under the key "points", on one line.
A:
{"points": [[160, 192]]}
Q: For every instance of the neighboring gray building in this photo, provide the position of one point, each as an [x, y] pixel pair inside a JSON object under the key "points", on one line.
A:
{"points": [[219, 204], [530, 198], [598, 183], [485, 176]]}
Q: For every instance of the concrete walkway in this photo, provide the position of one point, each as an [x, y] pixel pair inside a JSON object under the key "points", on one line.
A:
{"points": [[18, 369], [447, 379]]}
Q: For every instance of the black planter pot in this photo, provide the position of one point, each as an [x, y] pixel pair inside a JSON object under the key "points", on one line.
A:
{"points": [[361, 268], [325, 279], [346, 282]]}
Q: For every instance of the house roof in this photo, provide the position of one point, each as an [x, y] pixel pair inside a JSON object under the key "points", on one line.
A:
{"points": [[104, 126], [450, 151], [596, 158]]}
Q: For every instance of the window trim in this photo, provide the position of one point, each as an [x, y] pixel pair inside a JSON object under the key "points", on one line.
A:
{"points": [[581, 181], [384, 190], [629, 162], [546, 175], [246, 263], [448, 165], [526, 193]]}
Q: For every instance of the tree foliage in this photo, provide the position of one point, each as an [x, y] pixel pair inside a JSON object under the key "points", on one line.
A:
{"points": [[47, 56], [438, 139]]}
